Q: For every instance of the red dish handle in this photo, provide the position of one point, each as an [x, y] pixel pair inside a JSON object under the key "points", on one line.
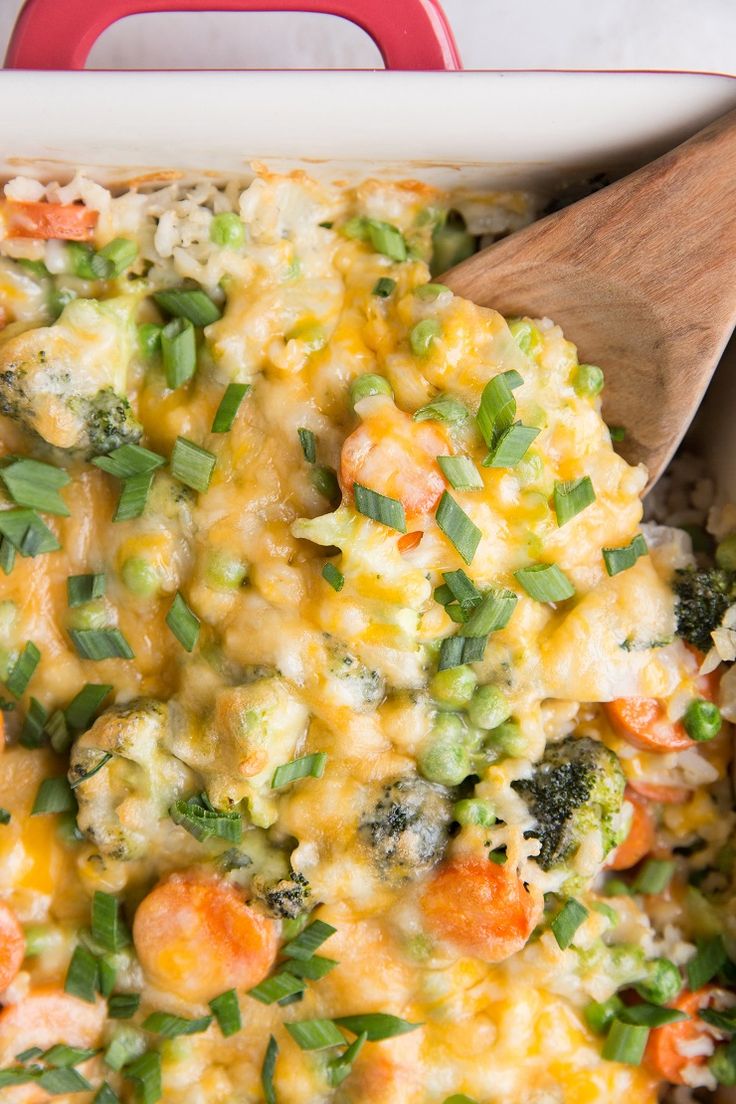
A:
{"points": [[59, 34]]}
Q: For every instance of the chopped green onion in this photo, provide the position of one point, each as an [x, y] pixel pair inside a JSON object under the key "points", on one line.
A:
{"points": [[15, 1076], [226, 1010], [650, 1015], [108, 928], [105, 1095], [456, 651], [22, 670], [116, 256], [493, 613], [133, 497], [101, 644], [206, 823], [126, 1044], [27, 532], [445, 408], [324, 481], [462, 589], [709, 960], [308, 766], [229, 406], [566, 923], [423, 335], [192, 465], [497, 408], [376, 1025], [384, 237], [178, 352], [146, 1071], [227, 229], [339, 1068], [57, 732], [84, 705], [308, 941], [267, 1070], [54, 796], [315, 1034], [86, 775], [170, 1026], [62, 1055], [384, 287], [313, 969], [335, 578], [571, 497], [545, 582], [617, 887], [457, 527], [277, 987], [129, 460], [81, 977], [183, 623], [36, 485], [388, 511], [510, 446], [149, 340], [461, 473], [367, 385], [31, 735], [61, 1081], [123, 1006], [429, 292], [193, 304], [625, 1043], [84, 588], [5, 816], [621, 559], [600, 1015], [108, 973], [724, 1020], [654, 876], [308, 441], [459, 1098], [7, 556]]}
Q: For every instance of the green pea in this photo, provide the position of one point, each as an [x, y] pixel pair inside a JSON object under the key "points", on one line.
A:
{"points": [[663, 984], [445, 759], [488, 707], [726, 553], [473, 810], [423, 335], [507, 740], [39, 937], [227, 229], [453, 688], [429, 292], [92, 615], [588, 380], [149, 340], [526, 335], [140, 577], [225, 571], [599, 1015], [362, 387], [702, 720], [722, 1064]]}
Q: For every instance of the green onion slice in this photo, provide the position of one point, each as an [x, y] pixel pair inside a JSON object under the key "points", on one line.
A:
{"points": [[27, 532], [621, 559], [545, 582], [277, 987], [724, 1020], [31, 735], [22, 670], [708, 960], [308, 766], [566, 923], [625, 1043], [308, 441], [463, 533], [54, 796], [493, 613], [133, 497], [335, 578], [146, 1071], [192, 465], [197, 816], [511, 446], [129, 460], [183, 623], [444, 408], [7, 556], [105, 1095], [497, 408], [654, 876], [456, 651], [267, 1070], [117, 255], [36, 485], [169, 1026], [190, 303], [84, 705], [388, 511], [178, 352], [308, 941], [384, 287], [84, 588], [101, 644], [226, 1011], [461, 588], [650, 1015], [5, 816], [108, 927], [229, 406], [82, 975], [461, 473], [376, 1025], [339, 1068], [313, 969], [315, 1034], [571, 497], [58, 1081], [61, 1055], [123, 1006]]}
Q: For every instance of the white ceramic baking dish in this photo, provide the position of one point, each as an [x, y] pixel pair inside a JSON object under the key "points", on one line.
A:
{"points": [[535, 130]]}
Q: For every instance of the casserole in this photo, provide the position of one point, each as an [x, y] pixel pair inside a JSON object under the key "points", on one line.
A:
{"points": [[471, 178]]}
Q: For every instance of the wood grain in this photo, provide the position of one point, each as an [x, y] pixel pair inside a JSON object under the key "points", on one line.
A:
{"points": [[642, 277]]}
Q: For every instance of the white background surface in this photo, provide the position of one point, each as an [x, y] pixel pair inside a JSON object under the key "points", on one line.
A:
{"points": [[588, 34]]}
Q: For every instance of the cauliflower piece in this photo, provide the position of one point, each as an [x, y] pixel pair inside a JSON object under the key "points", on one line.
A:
{"points": [[67, 382], [121, 804]]}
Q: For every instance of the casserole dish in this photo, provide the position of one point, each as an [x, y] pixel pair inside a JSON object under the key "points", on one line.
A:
{"points": [[540, 153]]}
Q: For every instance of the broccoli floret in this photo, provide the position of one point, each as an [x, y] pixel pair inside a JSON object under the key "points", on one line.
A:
{"points": [[407, 828], [287, 898], [66, 382], [576, 788], [702, 599], [350, 681]]}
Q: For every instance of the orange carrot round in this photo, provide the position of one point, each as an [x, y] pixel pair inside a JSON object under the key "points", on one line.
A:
{"points": [[665, 795], [663, 1054], [12, 945], [69, 221]]}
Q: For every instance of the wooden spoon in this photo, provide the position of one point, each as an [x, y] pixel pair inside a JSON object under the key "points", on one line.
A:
{"points": [[642, 277]]}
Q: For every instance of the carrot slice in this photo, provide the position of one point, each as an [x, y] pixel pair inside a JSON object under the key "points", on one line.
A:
{"points": [[46, 1017], [70, 221], [644, 723], [640, 839], [12, 945], [197, 937], [481, 907], [663, 1054], [665, 795], [409, 541]]}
